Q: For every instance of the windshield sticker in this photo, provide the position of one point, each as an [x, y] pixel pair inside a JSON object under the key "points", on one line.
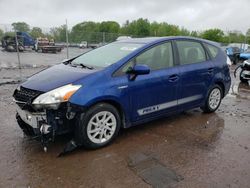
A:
{"points": [[126, 48], [108, 64]]}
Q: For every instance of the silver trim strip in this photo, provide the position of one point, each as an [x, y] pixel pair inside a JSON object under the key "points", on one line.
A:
{"points": [[166, 105], [122, 87], [155, 108], [189, 99]]}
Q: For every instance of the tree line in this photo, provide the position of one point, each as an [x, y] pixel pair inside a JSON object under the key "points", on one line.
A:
{"points": [[108, 31]]}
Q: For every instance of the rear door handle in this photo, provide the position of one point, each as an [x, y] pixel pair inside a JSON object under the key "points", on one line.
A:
{"points": [[210, 71], [173, 78]]}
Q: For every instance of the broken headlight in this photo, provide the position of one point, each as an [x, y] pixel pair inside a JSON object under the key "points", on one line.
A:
{"points": [[54, 98]]}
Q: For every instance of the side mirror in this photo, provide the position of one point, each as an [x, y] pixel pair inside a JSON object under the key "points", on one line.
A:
{"points": [[139, 70]]}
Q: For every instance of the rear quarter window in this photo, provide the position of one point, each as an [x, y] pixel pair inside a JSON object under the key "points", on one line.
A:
{"points": [[213, 50]]}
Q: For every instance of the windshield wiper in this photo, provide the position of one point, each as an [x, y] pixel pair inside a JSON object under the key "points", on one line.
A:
{"points": [[82, 65], [86, 66]]}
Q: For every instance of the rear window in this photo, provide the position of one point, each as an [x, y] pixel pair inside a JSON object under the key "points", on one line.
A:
{"points": [[213, 50]]}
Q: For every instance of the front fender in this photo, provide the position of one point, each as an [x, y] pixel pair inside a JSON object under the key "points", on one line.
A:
{"points": [[88, 97]]}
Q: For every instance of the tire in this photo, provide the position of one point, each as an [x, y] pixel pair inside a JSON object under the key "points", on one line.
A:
{"points": [[87, 124], [210, 104]]}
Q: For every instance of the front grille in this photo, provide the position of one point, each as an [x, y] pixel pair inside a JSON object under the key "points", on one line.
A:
{"points": [[24, 97]]}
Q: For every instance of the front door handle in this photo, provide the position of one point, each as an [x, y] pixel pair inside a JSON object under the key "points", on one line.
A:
{"points": [[173, 78]]}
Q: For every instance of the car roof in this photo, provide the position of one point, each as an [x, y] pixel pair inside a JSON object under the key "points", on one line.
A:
{"points": [[144, 40], [148, 40]]}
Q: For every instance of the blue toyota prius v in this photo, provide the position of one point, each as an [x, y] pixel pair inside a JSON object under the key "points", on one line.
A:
{"points": [[119, 85]]}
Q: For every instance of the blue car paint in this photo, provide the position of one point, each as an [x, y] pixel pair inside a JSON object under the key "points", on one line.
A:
{"points": [[245, 55], [56, 76], [221, 72], [146, 92], [196, 85]]}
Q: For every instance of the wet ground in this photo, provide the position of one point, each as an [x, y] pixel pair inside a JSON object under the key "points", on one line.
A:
{"points": [[31, 58], [191, 149]]}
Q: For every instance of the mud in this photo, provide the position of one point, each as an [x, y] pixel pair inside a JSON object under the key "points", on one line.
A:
{"points": [[191, 149]]}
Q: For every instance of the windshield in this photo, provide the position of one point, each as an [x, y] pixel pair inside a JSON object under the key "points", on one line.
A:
{"points": [[106, 55]]}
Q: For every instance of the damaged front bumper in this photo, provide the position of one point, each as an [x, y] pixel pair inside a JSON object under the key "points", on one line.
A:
{"points": [[30, 122], [45, 125]]}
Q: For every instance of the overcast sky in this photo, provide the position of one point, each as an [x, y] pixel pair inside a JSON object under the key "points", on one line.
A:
{"points": [[191, 14]]}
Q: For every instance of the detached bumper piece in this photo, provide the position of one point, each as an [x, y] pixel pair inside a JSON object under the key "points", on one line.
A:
{"points": [[26, 128]]}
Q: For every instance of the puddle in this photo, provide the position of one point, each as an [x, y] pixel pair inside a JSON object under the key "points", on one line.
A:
{"points": [[151, 171]]}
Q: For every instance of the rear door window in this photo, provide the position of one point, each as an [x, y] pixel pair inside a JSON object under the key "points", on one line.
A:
{"points": [[190, 52]]}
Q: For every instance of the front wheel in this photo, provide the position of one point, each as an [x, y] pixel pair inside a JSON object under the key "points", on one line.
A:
{"points": [[213, 99], [98, 126]]}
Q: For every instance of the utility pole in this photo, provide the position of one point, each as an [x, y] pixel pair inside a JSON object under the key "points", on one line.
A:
{"points": [[17, 50], [103, 37], [18, 57], [67, 40], [245, 41]]}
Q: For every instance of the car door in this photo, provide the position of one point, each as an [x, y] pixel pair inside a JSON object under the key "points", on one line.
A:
{"points": [[155, 93], [196, 73]]}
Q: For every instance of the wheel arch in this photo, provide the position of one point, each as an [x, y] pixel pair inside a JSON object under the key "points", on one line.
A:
{"points": [[114, 103], [220, 83]]}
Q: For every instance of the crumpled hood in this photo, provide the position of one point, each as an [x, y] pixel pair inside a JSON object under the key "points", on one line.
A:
{"points": [[56, 76]]}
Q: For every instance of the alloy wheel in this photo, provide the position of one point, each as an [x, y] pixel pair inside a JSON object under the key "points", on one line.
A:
{"points": [[101, 127]]}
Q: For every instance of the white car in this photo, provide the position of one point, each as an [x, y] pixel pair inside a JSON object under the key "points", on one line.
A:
{"points": [[123, 38], [83, 44]]}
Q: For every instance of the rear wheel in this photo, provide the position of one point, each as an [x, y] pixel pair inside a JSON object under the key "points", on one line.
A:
{"points": [[98, 126], [213, 99]]}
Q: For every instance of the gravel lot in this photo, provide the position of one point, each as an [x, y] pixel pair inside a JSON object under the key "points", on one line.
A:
{"points": [[191, 149]]}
